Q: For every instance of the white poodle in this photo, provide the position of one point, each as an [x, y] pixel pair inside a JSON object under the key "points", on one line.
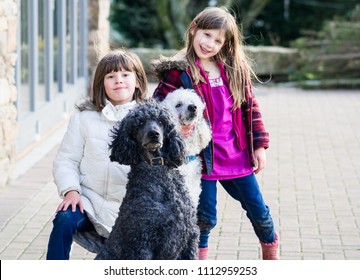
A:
{"points": [[187, 106]]}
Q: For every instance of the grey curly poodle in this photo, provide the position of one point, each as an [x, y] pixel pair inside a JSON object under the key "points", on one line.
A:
{"points": [[157, 218]]}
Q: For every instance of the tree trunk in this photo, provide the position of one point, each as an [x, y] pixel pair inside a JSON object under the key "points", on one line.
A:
{"points": [[173, 20], [254, 10]]}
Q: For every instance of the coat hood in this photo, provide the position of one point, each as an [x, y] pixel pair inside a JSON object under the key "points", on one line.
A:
{"points": [[164, 64], [85, 104]]}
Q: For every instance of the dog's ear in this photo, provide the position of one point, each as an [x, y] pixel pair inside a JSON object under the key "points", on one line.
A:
{"points": [[204, 131], [173, 147], [123, 147]]}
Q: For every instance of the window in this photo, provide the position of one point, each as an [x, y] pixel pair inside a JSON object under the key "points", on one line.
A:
{"points": [[51, 70]]}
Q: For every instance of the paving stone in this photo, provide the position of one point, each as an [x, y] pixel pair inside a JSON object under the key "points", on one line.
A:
{"points": [[311, 184]]}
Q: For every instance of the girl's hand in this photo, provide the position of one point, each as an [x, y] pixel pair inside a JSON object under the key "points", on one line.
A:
{"points": [[72, 198], [186, 130], [260, 160]]}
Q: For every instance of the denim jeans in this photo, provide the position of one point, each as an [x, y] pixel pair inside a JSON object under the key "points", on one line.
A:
{"points": [[245, 190], [65, 224]]}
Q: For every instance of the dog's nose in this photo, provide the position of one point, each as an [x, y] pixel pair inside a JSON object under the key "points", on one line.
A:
{"points": [[153, 134], [192, 108]]}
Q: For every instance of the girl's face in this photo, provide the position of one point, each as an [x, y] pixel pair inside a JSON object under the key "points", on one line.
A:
{"points": [[120, 86], [208, 42]]}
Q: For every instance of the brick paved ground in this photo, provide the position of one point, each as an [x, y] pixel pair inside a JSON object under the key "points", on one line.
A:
{"points": [[311, 183]]}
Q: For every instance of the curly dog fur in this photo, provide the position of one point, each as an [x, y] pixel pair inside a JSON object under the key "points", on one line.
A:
{"points": [[157, 219], [187, 107]]}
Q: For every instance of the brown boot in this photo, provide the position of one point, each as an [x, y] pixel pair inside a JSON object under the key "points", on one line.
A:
{"points": [[203, 254], [270, 251]]}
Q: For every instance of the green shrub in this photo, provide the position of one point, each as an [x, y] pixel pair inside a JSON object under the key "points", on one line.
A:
{"points": [[333, 53]]}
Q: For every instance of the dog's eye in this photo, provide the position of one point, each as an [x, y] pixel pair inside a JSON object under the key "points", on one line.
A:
{"points": [[141, 123], [178, 105]]}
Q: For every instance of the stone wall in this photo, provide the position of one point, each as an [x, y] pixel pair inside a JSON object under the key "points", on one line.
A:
{"points": [[274, 62], [99, 32], [8, 125]]}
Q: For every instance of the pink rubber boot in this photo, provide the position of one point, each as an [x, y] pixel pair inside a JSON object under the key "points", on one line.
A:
{"points": [[270, 251], [203, 253]]}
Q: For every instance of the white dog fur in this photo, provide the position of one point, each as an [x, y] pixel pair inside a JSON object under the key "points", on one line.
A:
{"points": [[188, 108]]}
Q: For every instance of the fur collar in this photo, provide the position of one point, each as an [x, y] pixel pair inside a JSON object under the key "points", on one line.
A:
{"points": [[85, 104], [164, 64]]}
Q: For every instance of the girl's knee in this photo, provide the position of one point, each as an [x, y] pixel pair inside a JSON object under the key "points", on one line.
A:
{"points": [[67, 217], [63, 217]]}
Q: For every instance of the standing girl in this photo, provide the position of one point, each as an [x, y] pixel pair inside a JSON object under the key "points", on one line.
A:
{"points": [[213, 63], [91, 186]]}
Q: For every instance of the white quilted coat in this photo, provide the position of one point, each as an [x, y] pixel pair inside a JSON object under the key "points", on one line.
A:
{"points": [[82, 164]]}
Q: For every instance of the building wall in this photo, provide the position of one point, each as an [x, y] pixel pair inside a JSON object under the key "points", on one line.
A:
{"points": [[8, 125], [99, 28], [98, 31]]}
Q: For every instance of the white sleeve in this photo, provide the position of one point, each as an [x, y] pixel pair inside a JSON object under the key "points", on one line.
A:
{"points": [[66, 165]]}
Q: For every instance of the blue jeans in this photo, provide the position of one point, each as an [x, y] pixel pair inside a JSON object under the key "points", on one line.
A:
{"points": [[245, 190], [65, 224]]}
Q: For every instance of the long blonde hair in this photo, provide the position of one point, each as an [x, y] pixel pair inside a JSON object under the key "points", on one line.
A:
{"points": [[236, 64]]}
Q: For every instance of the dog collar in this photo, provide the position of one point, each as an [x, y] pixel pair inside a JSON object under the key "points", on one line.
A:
{"points": [[190, 158], [157, 161]]}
